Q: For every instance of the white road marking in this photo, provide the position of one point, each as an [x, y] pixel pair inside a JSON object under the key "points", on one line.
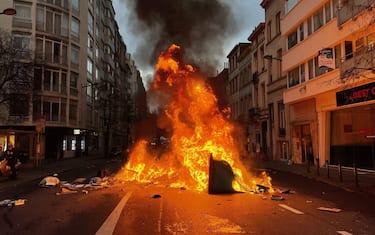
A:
{"points": [[110, 223], [160, 216], [344, 233], [291, 209]]}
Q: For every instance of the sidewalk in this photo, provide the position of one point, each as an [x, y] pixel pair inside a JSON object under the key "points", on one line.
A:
{"points": [[365, 181], [29, 172]]}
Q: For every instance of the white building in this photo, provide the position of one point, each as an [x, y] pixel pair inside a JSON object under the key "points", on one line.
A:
{"points": [[331, 107]]}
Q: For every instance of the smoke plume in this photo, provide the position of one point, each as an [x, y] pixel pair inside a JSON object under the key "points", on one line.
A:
{"points": [[200, 27]]}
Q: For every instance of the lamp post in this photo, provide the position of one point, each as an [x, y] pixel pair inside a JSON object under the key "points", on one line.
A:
{"points": [[8, 11]]}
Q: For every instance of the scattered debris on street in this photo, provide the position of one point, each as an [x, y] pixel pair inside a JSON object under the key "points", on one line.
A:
{"points": [[276, 197], [336, 210], [49, 181], [9, 203]]}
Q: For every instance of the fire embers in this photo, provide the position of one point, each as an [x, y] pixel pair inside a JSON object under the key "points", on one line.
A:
{"points": [[196, 129]]}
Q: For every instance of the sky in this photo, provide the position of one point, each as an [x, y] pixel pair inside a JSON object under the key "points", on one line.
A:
{"points": [[207, 29]]}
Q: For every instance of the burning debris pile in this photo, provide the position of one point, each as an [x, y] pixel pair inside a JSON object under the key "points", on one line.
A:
{"points": [[197, 130]]}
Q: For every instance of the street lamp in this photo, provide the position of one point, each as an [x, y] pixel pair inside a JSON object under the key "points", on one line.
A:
{"points": [[8, 11]]}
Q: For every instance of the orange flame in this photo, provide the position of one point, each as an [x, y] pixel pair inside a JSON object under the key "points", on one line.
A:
{"points": [[197, 129]]}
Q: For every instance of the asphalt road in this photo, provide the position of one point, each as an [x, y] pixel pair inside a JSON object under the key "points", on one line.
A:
{"points": [[132, 208]]}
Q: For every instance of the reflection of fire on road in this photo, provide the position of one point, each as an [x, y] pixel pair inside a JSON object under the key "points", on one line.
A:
{"points": [[197, 131]]}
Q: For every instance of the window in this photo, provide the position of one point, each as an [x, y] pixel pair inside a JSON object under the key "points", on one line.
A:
{"points": [[282, 122], [39, 49], [21, 42], [19, 105], [310, 64], [292, 39], [55, 111], [65, 25], [49, 21], [23, 13], [75, 28], [37, 79], [328, 15], [278, 28], [73, 107], [74, 55], [293, 77], [348, 49], [337, 55], [335, 8], [318, 19], [302, 73], [279, 55], [89, 69], [73, 79], [57, 24], [301, 32], [48, 51], [40, 19], [63, 83], [75, 5], [90, 23], [51, 81], [56, 52], [55, 82], [269, 31], [309, 26], [290, 4]]}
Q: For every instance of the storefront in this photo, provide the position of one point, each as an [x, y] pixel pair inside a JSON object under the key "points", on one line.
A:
{"points": [[353, 128], [304, 134]]}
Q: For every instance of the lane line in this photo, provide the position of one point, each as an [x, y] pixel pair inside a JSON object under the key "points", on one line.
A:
{"points": [[160, 216], [344, 233], [291, 209], [110, 223]]}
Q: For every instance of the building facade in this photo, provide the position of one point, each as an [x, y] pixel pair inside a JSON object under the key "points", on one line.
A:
{"points": [[329, 61], [81, 77], [278, 127]]}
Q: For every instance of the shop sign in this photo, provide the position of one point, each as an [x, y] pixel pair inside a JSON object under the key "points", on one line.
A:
{"points": [[356, 95], [325, 59]]}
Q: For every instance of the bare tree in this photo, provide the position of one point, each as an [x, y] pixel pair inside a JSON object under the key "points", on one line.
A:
{"points": [[16, 74]]}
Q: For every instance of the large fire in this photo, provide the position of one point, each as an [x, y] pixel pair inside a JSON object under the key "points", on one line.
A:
{"points": [[197, 130]]}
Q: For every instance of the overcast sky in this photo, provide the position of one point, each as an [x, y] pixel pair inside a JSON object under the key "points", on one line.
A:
{"points": [[246, 14]]}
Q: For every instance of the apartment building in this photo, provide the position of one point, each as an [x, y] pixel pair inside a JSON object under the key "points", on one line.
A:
{"points": [[80, 79], [329, 61], [276, 82], [259, 110], [239, 88]]}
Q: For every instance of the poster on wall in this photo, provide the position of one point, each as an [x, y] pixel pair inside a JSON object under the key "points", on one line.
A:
{"points": [[325, 59]]}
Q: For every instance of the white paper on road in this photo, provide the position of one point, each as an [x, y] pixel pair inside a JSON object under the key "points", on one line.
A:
{"points": [[49, 181]]}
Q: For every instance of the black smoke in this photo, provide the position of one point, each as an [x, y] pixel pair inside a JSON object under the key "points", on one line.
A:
{"points": [[200, 27]]}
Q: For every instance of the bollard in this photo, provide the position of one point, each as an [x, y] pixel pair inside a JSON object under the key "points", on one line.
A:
{"points": [[356, 175], [317, 166], [327, 164], [340, 172]]}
